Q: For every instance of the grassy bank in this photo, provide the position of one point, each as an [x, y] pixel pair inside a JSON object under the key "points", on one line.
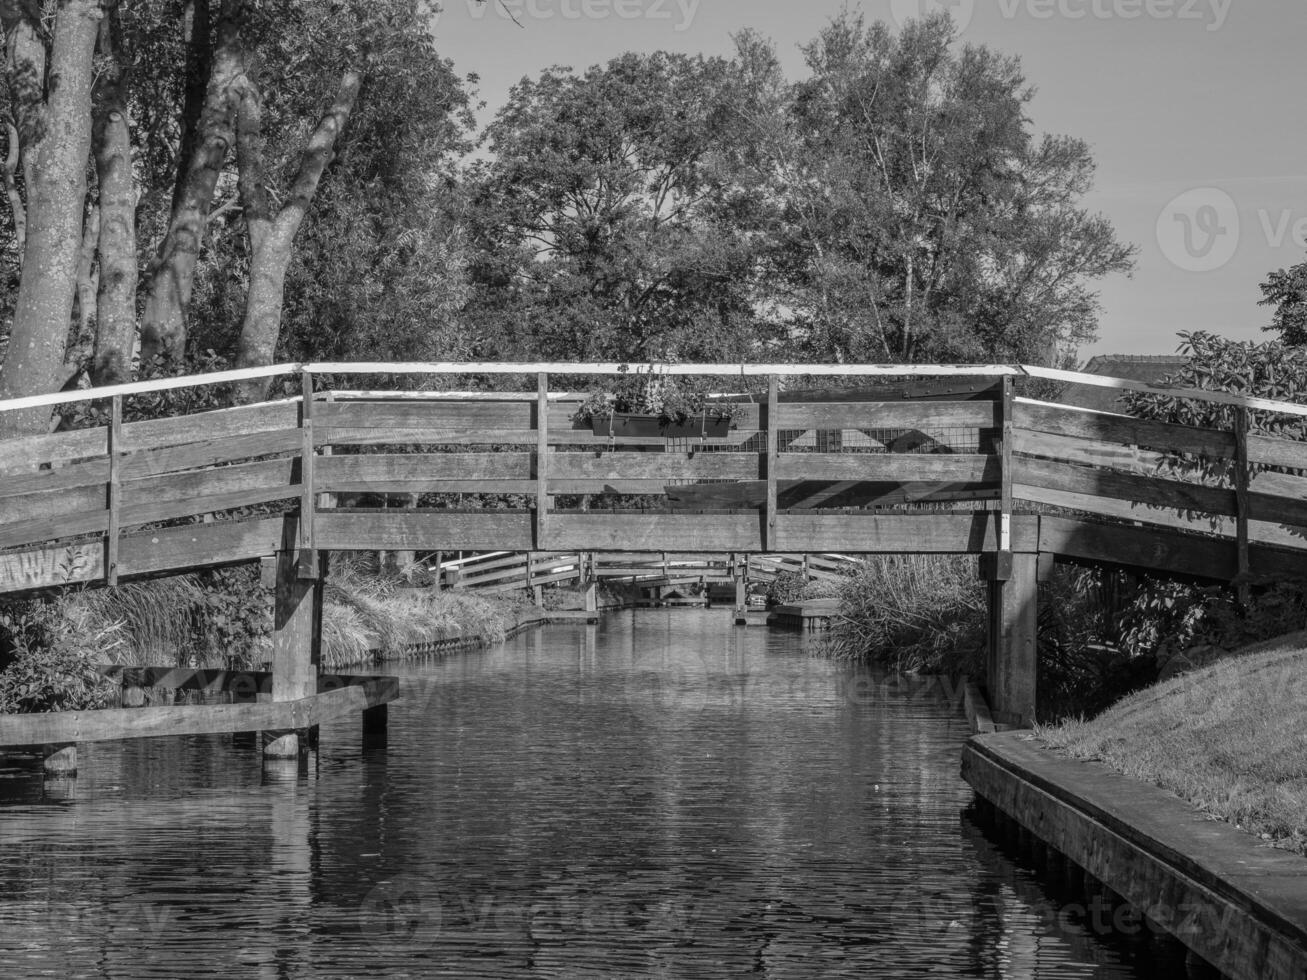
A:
{"points": [[367, 618], [51, 647], [1228, 738]]}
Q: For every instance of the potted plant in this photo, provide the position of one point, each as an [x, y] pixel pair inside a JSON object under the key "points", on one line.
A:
{"points": [[648, 405]]}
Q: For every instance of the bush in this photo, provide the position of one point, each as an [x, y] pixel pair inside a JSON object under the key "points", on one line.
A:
{"points": [[51, 665], [785, 588]]}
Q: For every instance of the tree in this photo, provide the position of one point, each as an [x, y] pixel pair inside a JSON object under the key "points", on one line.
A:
{"points": [[152, 98], [914, 217], [1286, 290], [603, 225], [50, 96]]}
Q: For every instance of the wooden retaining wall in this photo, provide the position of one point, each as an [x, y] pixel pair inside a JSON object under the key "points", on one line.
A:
{"points": [[1236, 903]]}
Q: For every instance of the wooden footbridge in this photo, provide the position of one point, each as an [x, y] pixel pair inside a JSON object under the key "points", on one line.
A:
{"points": [[952, 462]]}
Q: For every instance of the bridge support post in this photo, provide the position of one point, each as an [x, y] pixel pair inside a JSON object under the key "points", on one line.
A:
{"points": [[296, 639], [60, 761], [1013, 625]]}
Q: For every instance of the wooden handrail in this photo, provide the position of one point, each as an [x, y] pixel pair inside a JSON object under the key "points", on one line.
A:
{"points": [[676, 370]]}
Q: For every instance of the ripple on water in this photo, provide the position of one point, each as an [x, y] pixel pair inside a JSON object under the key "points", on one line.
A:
{"points": [[663, 795]]}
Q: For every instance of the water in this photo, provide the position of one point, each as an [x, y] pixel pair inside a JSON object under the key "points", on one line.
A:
{"points": [[663, 795]]}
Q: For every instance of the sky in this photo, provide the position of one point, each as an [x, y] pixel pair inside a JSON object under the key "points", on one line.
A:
{"points": [[1193, 110]]}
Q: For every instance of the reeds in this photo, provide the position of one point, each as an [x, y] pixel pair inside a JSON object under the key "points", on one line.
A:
{"points": [[368, 618], [912, 612]]}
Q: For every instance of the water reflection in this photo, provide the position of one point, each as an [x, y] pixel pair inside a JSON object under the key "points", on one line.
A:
{"points": [[662, 795]]}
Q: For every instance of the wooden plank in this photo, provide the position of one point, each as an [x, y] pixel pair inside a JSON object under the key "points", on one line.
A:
{"points": [[1242, 507], [1134, 491], [114, 491], [297, 619], [1123, 430], [335, 435], [25, 454], [608, 531], [198, 545], [354, 530], [56, 526], [268, 474], [1091, 452], [426, 473], [71, 476], [1278, 498], [307, 454], [1287, 453], [541, 473], [735, 370], [112, 724], [141, 553], [207, 426], [145, 387], [229, 449], [152, 511], [51, 565], [819, 494], [889, 467], [1006, 413], [660, 467], [773, 458], [461, 415], [1137, 547], [887, 415], [902, 534], [1124, 510], [39, 504]]}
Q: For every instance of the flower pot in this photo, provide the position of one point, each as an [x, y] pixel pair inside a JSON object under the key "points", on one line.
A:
{"points": [[633, 425]]}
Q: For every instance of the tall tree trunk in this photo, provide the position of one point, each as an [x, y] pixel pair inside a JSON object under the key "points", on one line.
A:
{"points": [[115, 332], [196, 28], [171, 278], [34, 362], [271, 239]]}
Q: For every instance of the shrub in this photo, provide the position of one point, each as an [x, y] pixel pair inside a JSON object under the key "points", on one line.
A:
{"points": [[52, 667], [785, 588]]}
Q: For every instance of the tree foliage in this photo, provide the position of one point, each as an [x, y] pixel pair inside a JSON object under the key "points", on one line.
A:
{"points": [[1286, 290], [603, 224]]}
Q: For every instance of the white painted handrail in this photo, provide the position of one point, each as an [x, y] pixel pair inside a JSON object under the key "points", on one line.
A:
{"points": [[145, 387], [676, 370]]}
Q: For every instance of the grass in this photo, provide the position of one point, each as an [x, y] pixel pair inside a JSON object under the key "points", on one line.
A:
{"points": [[146, 624], [911, 612], [1230, 738], [367, 618]]}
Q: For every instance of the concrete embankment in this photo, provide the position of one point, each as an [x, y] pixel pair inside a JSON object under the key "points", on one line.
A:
{"points": [[1239, 905]]}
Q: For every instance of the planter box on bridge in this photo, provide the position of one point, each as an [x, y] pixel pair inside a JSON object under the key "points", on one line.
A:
{"points": [[631, 425]]}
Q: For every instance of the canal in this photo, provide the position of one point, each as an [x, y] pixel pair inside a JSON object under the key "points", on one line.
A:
{"points": [[662, 795]]}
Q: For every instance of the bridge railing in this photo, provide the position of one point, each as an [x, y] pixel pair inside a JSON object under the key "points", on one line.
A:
{"points": [[137, 497]]}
